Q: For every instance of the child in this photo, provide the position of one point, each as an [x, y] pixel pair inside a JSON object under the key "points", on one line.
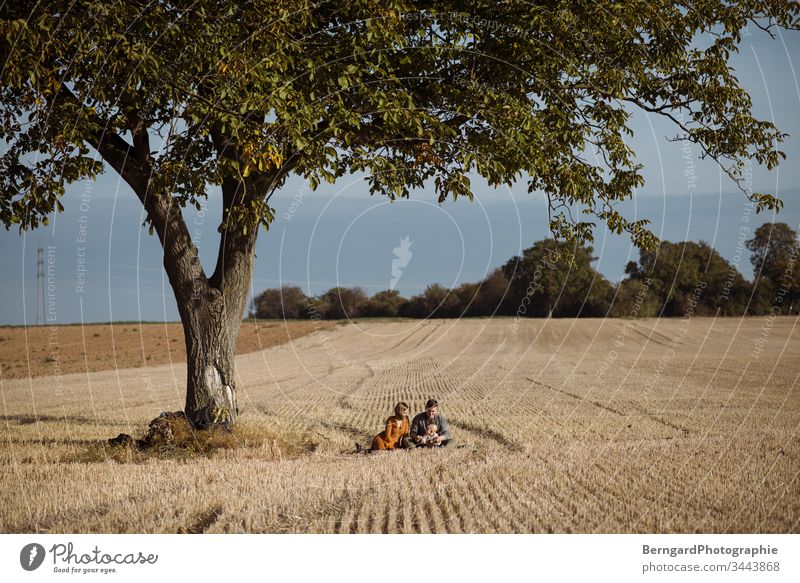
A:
{"points": [[430, 437]]}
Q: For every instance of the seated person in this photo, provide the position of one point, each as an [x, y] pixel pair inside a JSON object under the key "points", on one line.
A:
{"points": [[419, 426], [430, 438], [396, 433]]}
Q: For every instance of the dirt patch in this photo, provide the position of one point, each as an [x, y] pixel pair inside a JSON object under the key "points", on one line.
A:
{"points": [[36, 351]]}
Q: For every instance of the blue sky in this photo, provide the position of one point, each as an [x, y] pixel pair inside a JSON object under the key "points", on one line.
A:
{"points": [[339, 235]]}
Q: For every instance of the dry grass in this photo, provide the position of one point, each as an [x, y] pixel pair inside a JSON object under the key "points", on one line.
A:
{"points": [[190, 444], [563, 426]]}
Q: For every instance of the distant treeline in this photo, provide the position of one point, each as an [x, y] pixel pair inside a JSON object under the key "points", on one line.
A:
{"points": [[677, 279]]}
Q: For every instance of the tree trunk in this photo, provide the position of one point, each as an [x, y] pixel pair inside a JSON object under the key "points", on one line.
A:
{"points": [[211, 320], [210, 332], [211, 311]]}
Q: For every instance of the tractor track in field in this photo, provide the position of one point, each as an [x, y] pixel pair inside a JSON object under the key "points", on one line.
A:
{"points": [[489, 434], [672, 341], [343, 401], [653, 417]]}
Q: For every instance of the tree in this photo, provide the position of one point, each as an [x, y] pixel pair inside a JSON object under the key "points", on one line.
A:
{"points": [[288, 302], [542, 285], [691, 278], [440, 302], [776, 268], [465, 296], [414, 307], [491, 296], [180, 97], [435, 302], [343, 303], [634, 299], [385, 304]]}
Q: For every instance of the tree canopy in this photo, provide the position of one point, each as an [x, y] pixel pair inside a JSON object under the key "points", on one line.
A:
{"points": [[775, 252], [542, 286], [178, 96], [287, 302], [691, 278]]}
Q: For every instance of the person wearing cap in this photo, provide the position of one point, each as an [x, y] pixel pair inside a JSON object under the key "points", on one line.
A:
{"points": [[419, 425]]}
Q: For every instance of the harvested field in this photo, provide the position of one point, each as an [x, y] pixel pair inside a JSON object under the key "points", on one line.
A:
{"points": [[36, 351], [559, 426]]}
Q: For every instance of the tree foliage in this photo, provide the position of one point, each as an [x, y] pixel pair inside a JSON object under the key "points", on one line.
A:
{"points": [[691, 278], [287, 302], [385, 304], [774, 248], [543, 286], [179, 96], [340, 303]]}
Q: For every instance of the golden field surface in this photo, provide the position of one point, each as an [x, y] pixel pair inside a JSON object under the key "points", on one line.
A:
{"points": [[559, 426]]}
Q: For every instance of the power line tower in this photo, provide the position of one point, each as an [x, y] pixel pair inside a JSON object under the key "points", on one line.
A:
{"points": [[40, 285]]}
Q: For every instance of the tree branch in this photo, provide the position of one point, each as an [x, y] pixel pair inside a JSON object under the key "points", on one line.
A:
{"points": [[181, 260], [118, 153]]}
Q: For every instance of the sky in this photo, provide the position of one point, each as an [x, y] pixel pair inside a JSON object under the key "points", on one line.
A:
{"points": [[100, 265]]}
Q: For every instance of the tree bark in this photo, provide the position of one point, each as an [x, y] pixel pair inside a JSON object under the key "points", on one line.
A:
{"points": [[212, 316], [210, 331]]}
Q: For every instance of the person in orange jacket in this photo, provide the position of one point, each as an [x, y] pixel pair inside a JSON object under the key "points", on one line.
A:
{"points": [[396, 434]]}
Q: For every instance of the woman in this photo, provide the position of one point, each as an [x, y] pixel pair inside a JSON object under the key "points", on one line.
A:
{"points": [[396, 431]]}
